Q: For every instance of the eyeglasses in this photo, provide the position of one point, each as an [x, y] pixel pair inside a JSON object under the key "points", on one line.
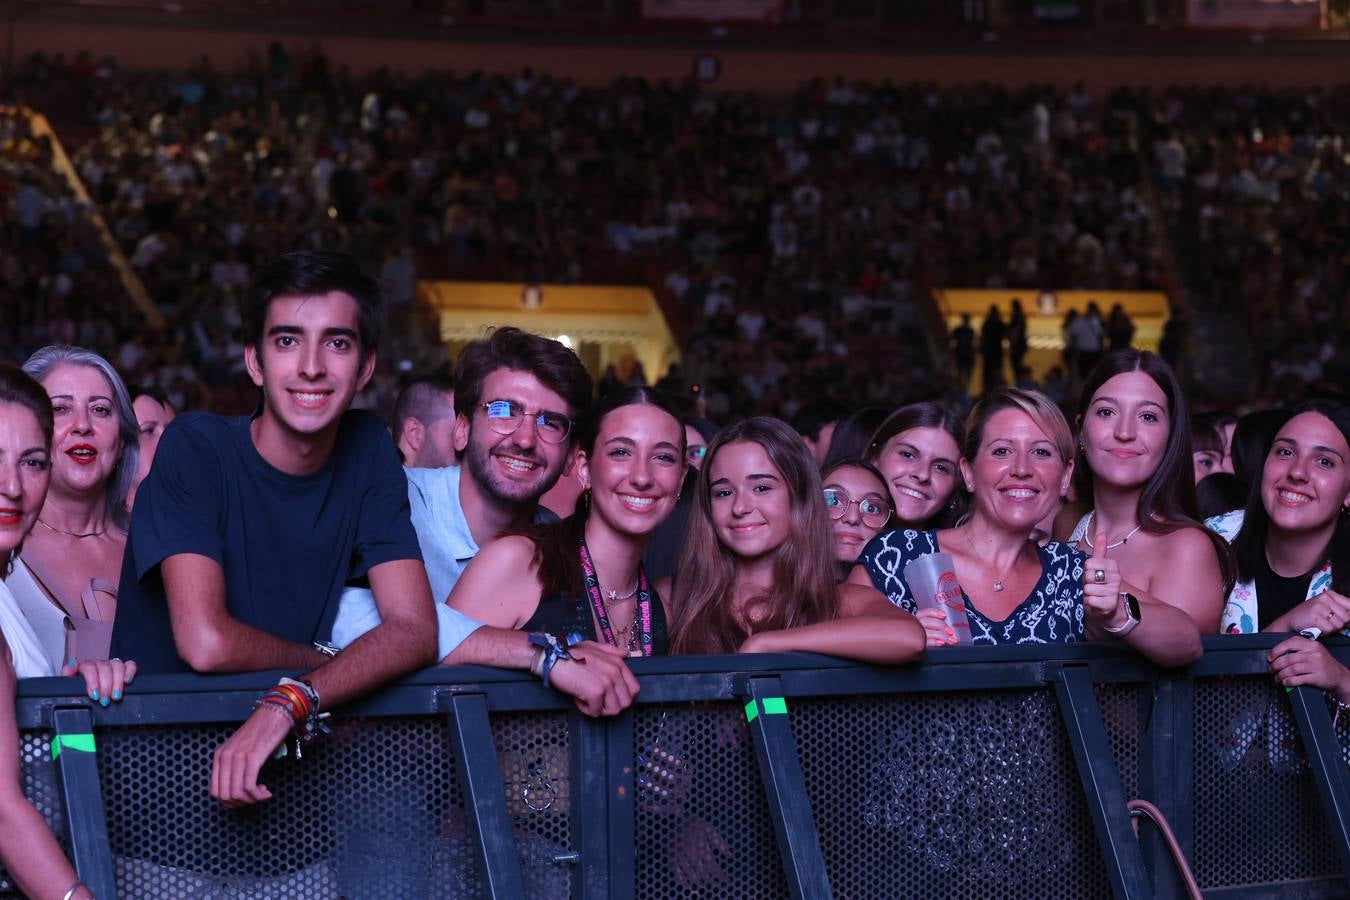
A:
{"points": [[505, 417], [875, 513], [694, 454]]}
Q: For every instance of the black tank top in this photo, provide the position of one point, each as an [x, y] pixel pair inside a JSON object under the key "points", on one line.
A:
{"points": [[568, 613]]}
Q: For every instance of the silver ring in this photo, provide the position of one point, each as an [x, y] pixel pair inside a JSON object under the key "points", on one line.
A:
{"points": [[1099, 576]]}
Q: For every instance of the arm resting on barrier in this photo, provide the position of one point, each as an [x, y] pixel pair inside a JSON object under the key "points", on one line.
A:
{"points": [[1328, 611], [404, 640], [1299, 661], [211, 640], [1166, 635], [27, 847], [869, 628]]}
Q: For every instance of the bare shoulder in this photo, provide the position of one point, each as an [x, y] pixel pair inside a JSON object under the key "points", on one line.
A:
{"points": [[513, 550], [1185, 544]]}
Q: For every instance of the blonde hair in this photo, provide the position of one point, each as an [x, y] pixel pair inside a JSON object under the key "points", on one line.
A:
{"points": [[1038, 407]]}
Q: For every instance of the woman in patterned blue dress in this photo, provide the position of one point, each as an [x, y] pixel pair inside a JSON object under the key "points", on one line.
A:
{"points": [[1016, 464]]}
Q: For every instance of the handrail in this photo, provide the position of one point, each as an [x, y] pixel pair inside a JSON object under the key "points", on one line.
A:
{"points": [[844, 737]]}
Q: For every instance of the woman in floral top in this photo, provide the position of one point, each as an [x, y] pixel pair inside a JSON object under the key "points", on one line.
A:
{"points": [[1016, 464], [1292, 545]]}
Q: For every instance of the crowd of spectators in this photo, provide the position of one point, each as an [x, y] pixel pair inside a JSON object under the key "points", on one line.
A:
{"points": [[794, 237], [793, 240], [1256, 184]]}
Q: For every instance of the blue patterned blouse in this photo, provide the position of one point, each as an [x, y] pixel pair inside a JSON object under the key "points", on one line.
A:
{"points": [[1051, 614]]}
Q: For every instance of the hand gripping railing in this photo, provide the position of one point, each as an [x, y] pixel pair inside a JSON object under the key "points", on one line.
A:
{"points": [[1003, 771]]}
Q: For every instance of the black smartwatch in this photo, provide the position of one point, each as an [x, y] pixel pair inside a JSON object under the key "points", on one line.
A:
{"points": [[1131, 615]]}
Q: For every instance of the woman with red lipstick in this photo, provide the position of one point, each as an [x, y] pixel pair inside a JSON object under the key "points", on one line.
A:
{"points": [[1017, 463], [1134, 473], [27, 848], [856, 502], [757, 570], [66, 579], [582, 579]]}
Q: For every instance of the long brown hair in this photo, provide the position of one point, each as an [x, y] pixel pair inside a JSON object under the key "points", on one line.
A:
{"points": [[803, 591], [1167, 501]]}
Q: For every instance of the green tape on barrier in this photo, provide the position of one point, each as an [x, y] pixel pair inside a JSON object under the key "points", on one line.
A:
{"points": [[751, 711], [82, 743], [775, 706]]}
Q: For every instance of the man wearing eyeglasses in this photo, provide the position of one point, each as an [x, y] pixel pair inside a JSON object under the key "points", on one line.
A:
{"points": [[517, 399]]}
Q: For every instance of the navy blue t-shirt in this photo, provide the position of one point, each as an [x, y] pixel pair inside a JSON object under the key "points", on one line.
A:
{"points": [[287, 543]]}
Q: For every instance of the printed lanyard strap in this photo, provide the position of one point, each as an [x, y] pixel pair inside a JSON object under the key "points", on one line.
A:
{"points": [[644, 606]]}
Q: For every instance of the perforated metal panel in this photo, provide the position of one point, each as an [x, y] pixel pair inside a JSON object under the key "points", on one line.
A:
{"points": [[375, 810], [1257, 815], [1120, 712], [38, 774], [954, 795], [703, 824]]}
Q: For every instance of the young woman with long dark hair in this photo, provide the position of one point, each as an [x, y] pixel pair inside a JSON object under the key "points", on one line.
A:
{"points": [[1292, 545], [1134, 477]]}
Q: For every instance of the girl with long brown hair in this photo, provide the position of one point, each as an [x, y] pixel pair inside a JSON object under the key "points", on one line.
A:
{"points": [[757, 571]]}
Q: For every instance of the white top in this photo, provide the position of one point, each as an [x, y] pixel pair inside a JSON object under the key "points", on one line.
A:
{"points": [[26, 651], [46, 622]]}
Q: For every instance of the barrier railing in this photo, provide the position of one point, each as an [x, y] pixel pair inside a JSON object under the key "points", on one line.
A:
{"points": [[1000, 772]]}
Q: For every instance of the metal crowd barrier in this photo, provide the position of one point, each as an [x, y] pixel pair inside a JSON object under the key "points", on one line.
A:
{"points": [[998, 772]]}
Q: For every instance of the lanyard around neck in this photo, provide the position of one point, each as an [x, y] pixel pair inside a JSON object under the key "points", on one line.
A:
{"points": [[644, 604]]}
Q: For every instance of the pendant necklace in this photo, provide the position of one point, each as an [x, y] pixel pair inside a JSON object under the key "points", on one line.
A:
{"points": [[998, 582], [1087, 535]]}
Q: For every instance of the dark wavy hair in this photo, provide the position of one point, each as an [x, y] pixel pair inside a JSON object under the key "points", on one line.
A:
{"points": [[1167, 501], [556, 367], [1249, 547], [803, 589], [555, 545]]}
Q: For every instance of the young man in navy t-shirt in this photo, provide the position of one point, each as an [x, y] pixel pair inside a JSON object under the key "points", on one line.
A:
{"points": [[246, 529]]}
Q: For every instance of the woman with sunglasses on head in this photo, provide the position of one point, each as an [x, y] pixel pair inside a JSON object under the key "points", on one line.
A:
{"points": [[27, 848], [1135, 473], [582, 578], [757, 570], [856, 502], [1017, 464], [916, 449]]}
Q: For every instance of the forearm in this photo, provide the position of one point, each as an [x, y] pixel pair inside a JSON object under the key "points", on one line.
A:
{"points": [[224, 644], [29, 851], [505, 648], [885, 640], [1165, 635], [390, 650]]}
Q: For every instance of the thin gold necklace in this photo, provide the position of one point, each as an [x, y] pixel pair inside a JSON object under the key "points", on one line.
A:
{"points": [[102, 531]]}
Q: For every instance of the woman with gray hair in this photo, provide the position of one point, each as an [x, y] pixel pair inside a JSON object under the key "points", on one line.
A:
{"points": [[65, 579]]}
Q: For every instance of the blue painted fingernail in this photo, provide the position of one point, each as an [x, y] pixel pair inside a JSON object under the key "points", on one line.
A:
{"points": [[103, 702], [93, 695], [71, 663], [117, 695]]}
